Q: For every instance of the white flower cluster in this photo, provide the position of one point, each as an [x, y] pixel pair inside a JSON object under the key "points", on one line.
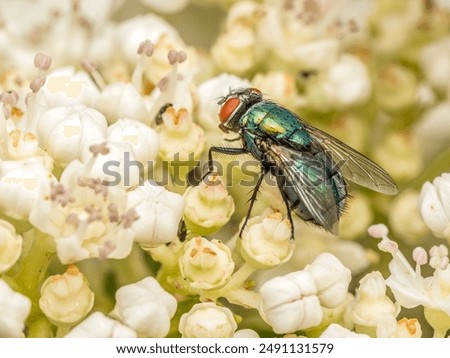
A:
{"points": [[106, 119]]}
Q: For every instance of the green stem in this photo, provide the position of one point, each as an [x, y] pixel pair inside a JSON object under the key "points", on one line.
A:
{"points": [[40, 328], [243, 297], [240, 276], [62, 331], [234, 291], [31, 271], [438, 320], [439, 333], [34, 262], [164, 255]]}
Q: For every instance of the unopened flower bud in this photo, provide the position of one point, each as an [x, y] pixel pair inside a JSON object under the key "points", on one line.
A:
{"points": [[290, 303], [206, 264], [246, 333], [266, 241], [434, 205], [159, 212], [64, 86], [145, 307], [208, 206], [22, 183], [23, 145], [14, 309], [97, 325], [66, 299], [67, 132], [408, 328], [331, 279], [122, 100], [180, 138], [143, 139], [335, 330], [207, 320], [439, 259], [372, 306], [10, 246]]}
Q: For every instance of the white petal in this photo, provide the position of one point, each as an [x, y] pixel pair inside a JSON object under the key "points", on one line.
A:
{"points": [[331, 279], [122, 100], [146, 307], [143, 139], [245, 333], [289, 303], [14, 309], [442, 184], [335, 330], [409, 291], [97, 325], [207, 320], [431, 207], [159, 212]]}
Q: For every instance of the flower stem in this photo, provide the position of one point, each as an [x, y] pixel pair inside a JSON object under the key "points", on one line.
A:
{"points": [[29, 274], [32, 268], [240, 276], [243, 297], [62, 331], [164, 255], [439, 333], [234, 291]]}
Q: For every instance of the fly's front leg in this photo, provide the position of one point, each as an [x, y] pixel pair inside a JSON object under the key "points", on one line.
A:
{"points": [[231, 151]]}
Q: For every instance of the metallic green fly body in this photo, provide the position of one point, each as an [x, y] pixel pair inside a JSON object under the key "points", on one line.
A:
{"points": [[308, 164]]}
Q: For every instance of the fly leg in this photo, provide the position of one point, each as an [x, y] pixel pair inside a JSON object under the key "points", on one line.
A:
{"points": [[252, 200], [231, 151], [280, 184]]}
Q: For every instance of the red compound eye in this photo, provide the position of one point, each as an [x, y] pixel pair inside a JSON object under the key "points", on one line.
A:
{"points": [[228, 108]]}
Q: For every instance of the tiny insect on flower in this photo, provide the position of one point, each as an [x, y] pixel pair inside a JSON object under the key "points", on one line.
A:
{"points": [[309, 165]]}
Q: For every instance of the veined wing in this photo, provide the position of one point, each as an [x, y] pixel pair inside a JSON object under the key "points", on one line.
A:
{"points": [[307, 186], [299, 135], [353, 165]]}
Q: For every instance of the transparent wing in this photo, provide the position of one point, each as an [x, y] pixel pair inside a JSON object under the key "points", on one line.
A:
{"points": [[310, 197], [353, 165]]}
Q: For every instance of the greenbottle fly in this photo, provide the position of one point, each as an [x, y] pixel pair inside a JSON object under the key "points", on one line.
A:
{"points": [[309, 165]]}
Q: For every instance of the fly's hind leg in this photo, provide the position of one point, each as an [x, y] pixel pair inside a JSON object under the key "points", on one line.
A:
{"points": [[252, 200], [280, 183]]}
